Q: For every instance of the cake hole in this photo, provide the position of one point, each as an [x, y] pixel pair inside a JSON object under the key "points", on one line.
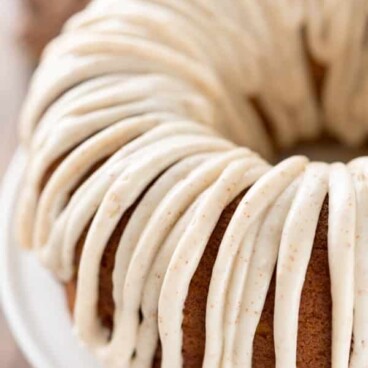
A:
{"points": [[326, 150]]}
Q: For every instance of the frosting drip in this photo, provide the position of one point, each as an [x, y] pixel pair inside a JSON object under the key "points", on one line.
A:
{"points": [[137, 105]]}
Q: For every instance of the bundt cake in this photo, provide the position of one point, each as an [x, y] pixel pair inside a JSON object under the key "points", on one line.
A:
{"points": [[146, 192]]}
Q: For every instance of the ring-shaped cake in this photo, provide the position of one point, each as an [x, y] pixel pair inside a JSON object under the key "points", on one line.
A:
{"points": [[147, 195]]}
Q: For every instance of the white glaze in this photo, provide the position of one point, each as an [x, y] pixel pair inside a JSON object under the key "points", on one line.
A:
{"points": [[341, 254], [260, 272], [295, 250], [360, 352], [148, 88]]}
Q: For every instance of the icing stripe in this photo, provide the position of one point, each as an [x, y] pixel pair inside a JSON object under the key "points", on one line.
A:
{"points": [[360, 351], [341, 254], [295, 251], [261, 269]]}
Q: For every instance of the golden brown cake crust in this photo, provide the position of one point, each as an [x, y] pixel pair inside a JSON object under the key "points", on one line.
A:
{"points": [[194, 322], [315, 315], [314, 339]]}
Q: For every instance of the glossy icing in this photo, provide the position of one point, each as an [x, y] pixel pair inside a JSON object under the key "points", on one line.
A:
{"points": [[143, 102]]}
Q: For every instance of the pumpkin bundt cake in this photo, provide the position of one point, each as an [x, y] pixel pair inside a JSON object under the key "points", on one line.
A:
{"points": [[146, 192]]}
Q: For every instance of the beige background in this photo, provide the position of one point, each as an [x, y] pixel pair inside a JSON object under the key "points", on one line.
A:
{"points": [[14, 72], [13, 78]]}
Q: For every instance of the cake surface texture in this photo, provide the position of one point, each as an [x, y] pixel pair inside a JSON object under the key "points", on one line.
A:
{"points": [[151, 129]]}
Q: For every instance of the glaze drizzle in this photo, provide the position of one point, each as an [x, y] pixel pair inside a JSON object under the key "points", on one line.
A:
{"points": [[145, 102]]}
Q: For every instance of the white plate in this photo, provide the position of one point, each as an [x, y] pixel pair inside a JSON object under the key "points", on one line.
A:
{"points": [[34, 303]]}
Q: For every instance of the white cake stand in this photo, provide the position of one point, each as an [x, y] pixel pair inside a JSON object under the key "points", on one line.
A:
{"points": [[34, 303]]}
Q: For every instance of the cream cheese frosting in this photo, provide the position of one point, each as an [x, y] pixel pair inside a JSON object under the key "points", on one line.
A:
{"points": [[145, 102]]}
